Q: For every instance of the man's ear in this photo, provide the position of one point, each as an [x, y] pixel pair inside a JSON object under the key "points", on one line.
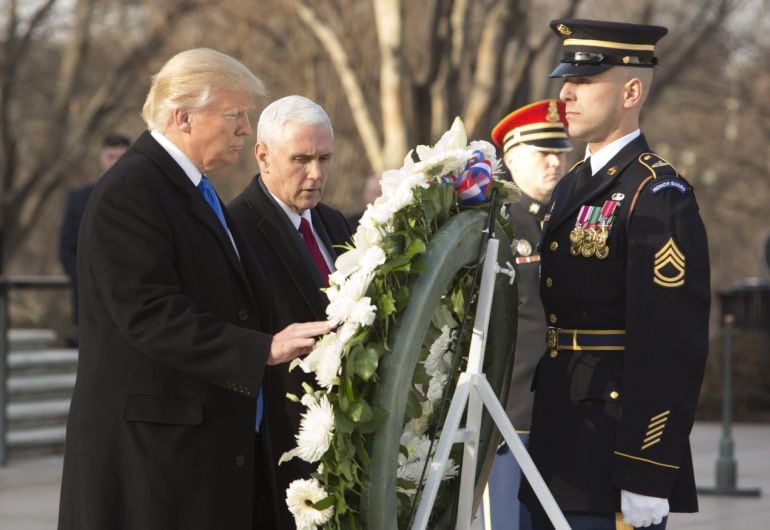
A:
{"points": [[633, 92], [260, 153], [182, 120]]}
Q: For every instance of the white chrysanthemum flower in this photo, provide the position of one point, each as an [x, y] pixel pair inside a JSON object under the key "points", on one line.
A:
{"points": [[485, 147], [352, 291], [415, 427], [436, 386], [346, 265], [454, 138], [391, 180], [372, 258], [368, 233], [301, 495], [435, 360], [410, 466], [362, 312], [316, 430], [403, 197], [328, 346], [510, 192], [328, 369], [347, 331], [450, 470]]}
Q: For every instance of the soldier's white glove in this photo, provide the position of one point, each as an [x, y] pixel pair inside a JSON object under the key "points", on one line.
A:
{"points": [[641, 510]]}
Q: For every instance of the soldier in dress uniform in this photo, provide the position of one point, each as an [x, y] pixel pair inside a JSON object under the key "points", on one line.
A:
{"points": [[625, 288], [534, 143]]}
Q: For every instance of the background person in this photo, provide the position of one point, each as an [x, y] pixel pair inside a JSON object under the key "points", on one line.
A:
{"points": [[534, 143], [625, 288], [287, 227], [161, 426], [113, 147]]}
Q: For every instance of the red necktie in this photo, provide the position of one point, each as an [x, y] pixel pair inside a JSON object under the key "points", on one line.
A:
{"points": [[315, 252]]}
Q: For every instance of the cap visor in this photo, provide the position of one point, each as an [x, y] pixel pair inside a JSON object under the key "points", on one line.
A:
{"points": [[578, 70], [551, 144]]}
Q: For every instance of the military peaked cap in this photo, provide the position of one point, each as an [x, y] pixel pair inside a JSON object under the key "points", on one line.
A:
{"points": [[593, 46], [540, 124]]}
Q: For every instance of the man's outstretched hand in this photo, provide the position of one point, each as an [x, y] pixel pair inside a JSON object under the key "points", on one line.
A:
{"points": [[295, 340]]}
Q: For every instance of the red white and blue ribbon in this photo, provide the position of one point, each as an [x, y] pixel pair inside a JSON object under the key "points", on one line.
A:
{"points": [[473, 183]]}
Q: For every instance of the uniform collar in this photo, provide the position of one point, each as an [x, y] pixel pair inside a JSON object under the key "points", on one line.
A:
{"points": [[600, 158], [533, 207]]}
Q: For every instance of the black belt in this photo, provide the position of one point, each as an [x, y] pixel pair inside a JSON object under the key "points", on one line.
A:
{"points": [[586, 339]]}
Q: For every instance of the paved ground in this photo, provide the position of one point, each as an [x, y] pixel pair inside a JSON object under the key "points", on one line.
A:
{"points": [[29, 489]]}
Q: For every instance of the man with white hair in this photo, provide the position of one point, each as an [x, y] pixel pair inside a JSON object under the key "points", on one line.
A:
{"points": [[296, 240], [173, 318]]}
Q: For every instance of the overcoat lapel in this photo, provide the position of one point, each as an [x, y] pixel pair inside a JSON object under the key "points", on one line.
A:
{"points": [[287, 245], [198, 205]]}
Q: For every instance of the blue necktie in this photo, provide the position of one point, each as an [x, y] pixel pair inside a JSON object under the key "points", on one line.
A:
{"points": [[207, 190]]}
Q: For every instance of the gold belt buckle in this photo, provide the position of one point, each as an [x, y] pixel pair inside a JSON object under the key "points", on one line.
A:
{"points": [[552, 338]]}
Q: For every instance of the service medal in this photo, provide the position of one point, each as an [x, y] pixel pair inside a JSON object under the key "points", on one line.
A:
{"points": [[587, 249], [602, 252], [523, 247]]}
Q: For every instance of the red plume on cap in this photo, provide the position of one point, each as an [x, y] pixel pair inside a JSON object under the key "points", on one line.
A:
{"points": [[540, 124]]}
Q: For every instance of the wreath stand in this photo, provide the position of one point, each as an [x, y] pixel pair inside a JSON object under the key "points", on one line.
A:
{"points": [[474, 390]]}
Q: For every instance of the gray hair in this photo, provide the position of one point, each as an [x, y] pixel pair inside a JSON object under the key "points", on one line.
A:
{"points": [[277, 114], [188, 81]]}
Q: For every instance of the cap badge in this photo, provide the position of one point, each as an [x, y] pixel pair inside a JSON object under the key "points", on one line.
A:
{"points": [[534, 208], [553, 111], [564, 30]]}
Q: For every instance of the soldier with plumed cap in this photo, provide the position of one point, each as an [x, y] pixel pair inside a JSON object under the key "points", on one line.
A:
{"points": [[534, 142], [625, 290]]}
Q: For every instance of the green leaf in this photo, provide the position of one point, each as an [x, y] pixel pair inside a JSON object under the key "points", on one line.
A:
{"points": [[417, 246], [387, 306], [360, 411], [413, 407], [342, 424], [366, 360], [362, 453], [458, 302], [400, 263], [324, 503], [443, 317]]}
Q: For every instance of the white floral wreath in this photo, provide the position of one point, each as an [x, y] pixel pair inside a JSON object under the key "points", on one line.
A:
{"points": [[351, 311]]}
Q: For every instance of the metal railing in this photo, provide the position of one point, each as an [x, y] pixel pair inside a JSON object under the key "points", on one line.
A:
{"points": [[7, 283]]}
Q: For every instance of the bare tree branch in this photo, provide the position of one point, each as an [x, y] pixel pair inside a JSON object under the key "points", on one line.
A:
{"points": [[392, 72], [349, 80]]}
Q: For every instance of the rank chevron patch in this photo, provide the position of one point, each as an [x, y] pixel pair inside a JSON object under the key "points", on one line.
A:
{"points": [[669, 265]]}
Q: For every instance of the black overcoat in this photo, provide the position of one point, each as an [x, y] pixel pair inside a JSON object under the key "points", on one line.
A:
{"points": [[619, 416], [161, 427], [295, 286]]}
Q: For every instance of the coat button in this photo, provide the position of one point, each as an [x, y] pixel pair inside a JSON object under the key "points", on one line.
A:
{"points": [[240, 460], [552, 318], [549, 282], [554, 245], [553, 354], [614, 395], [243, 315]]}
